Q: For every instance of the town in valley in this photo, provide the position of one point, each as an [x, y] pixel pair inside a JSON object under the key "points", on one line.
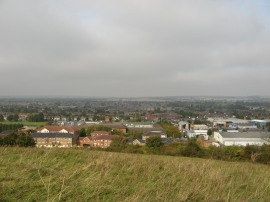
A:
{"points": [[100, 122]]}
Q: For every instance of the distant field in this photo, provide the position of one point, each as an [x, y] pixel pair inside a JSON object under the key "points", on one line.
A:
{"points": [[83, 175], [27, 123]]}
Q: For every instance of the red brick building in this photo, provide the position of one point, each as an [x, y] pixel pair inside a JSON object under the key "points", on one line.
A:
{"points": [[97, 139], [103, 141], [99, 133]]}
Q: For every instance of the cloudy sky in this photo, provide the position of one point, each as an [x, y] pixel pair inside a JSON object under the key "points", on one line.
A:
{"points": [[129, 48]]}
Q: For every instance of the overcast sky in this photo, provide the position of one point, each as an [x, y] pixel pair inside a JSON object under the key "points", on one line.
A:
{"points": [[134, 48]]}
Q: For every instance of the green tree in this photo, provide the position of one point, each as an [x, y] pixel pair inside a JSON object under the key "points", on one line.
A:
{"points": [[154, 142], [25, 141], [118, 141], [171, 130], [16, 117], [10, 117], [82, 132], [93, 128], [36, 117], [209, 132], [268, 126], [193, 150], [117, 132], [10, 140], [13, 117], [2, 117]]}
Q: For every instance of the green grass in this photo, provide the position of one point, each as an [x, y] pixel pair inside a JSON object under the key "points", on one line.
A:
{"points": [[37, 124], [36, 174]]}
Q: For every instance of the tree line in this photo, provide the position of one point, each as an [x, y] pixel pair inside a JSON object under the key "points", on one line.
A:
{"points": [[22, 140], [14, 126], [31, 118], [154, 145]]}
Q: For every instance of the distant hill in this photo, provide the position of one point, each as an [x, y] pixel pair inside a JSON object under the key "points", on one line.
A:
{"points": [[37, 174]]}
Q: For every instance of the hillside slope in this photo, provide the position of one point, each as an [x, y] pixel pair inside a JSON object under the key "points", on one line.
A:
{"points": [[83, 175]]}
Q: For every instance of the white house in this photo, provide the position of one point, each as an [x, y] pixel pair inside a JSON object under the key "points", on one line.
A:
{"points": [[242, 138], [139, 125], [183, 126], [199, 127], [154, 133], [194, 133]]}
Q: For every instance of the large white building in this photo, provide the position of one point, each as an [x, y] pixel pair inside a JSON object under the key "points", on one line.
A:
{"points": [[161, 134], [199, 127], [224, 123], [242, 138], [194, 133]]}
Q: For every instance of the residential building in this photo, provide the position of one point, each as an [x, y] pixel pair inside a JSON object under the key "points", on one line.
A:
{"points": [[138, 142], [195, 133], [55, 139], [160, 134], [199, 127], [101, 139], [139, 125], [58, 129], [118, 127], [183, 126], [85, 142], [99, 133]]}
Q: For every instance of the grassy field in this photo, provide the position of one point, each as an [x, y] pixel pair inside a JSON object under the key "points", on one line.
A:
{"points": [[82, 175], [37, 124]]}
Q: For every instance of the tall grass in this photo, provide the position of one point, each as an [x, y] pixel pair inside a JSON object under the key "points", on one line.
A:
{"points": [[34, 174]]}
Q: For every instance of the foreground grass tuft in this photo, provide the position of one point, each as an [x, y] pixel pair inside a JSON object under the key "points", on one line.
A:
{"points": [[32, 174]]}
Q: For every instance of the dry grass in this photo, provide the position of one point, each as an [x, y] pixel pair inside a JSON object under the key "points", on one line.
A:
{"points": [[83, 175]]}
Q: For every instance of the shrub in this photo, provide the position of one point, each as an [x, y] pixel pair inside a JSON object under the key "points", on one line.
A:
{"points": [[232, 153], [193, 150], [25, 141], [9, 140], [173, 149], [154, 142], [264, 155]]}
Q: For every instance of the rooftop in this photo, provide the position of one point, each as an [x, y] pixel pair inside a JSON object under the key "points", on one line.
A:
{"points": [[54, 135], [251, 134]]}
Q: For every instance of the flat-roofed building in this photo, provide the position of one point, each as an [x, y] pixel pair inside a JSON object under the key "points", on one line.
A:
{"points": [[242, 138], [160, 134]]}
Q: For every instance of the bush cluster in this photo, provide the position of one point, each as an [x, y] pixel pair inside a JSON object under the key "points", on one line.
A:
{"points": [[22, 140], [258, 154]]}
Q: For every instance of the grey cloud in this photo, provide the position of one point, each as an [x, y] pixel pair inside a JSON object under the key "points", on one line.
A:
{"points": [[134, 48]]}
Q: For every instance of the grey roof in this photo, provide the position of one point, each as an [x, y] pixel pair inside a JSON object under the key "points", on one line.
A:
{"points": [[153, 133], [54, 135], [246, 124], [7, 132], [171, 140], [129, 141], [251, 134]]}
